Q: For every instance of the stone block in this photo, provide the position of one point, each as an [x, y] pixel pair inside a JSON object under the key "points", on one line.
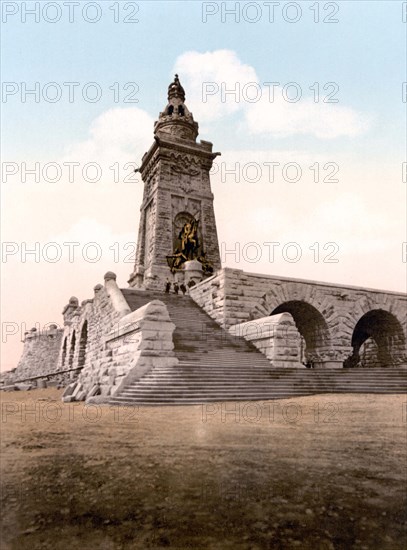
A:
{"points": [[80, 396], [95, 390], [77, 389], [68, 399], [23, 387]]}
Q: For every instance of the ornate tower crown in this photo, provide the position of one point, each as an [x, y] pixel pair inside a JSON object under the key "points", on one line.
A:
{"points": [[176, 120], [176, 90]]}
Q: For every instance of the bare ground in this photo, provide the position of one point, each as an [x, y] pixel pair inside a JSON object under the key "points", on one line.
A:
{"points": [[316, 473]]}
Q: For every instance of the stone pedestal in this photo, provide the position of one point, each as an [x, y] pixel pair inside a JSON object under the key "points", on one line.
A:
{"points": [[193, 272], [179, 277], [331, 358]]}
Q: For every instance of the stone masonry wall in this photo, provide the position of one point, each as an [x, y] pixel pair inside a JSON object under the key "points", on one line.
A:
{"points": [[104, 344], [40, 353], [139, 342], [210, 296], [86, 325]]}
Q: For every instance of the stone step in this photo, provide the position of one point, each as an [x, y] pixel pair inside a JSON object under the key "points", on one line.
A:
{"points": [[260, 374], [201, 399], [203, 386], [206, 390], [259, 381], [244, 391], [210, 371], [216, 366]]}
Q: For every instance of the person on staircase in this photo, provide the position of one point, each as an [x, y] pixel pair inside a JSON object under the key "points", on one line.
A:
{"points": [[176, 288], [191, 283], [167, 286]]}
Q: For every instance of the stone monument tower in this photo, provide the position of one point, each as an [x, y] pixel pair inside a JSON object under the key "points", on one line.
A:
{"points": [[177, 236]]}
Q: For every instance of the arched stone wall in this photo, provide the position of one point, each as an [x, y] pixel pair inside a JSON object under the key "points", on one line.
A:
{"points": [[384, 327], [233, 297], [313, 314], [329, 331], [310, 324], [367, 303]]}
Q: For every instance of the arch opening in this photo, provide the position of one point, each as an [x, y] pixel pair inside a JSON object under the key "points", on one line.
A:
{"points": [[378, 341], [83, 342], [72, 350], [315, 337]]}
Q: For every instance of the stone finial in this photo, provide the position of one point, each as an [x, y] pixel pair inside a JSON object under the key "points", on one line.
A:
{"points": [[110, 276], [176, 90], [52, 327]]}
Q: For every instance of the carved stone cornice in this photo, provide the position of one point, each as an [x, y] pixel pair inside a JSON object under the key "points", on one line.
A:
{"points": [[161, 149]]}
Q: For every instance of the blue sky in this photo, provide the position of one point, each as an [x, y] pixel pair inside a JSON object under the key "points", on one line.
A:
{"points": [[364, 212], [363, 52]]}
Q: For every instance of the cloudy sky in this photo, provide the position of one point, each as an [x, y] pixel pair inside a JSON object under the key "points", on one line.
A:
{"points": [[305, 106]]}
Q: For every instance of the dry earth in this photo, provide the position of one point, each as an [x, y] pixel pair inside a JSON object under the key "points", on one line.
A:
{"points": [[320, 473]]}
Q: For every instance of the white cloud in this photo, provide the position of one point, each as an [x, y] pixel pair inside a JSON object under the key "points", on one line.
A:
{"points": [[221, 68], [207, 76], [86, 230], [322, 120], [116, 135]]}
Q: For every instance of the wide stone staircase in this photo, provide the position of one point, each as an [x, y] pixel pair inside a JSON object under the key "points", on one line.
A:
{"points": [[215, 366]]}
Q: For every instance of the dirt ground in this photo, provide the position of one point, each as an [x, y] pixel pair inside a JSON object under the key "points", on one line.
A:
{"points": [[320, 473]]}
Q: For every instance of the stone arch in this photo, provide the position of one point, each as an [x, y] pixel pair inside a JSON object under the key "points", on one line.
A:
{"points": [[64, 351], [313, 314], [83, 343], [369, 302], [310, 324], [72, 350], [386, 331]]}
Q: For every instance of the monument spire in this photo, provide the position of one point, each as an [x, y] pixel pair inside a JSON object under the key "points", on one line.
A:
{"points": [[177, 231], [176, 119]]}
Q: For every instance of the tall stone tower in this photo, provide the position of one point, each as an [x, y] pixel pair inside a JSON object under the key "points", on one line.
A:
{"points": [[177, 233]]}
